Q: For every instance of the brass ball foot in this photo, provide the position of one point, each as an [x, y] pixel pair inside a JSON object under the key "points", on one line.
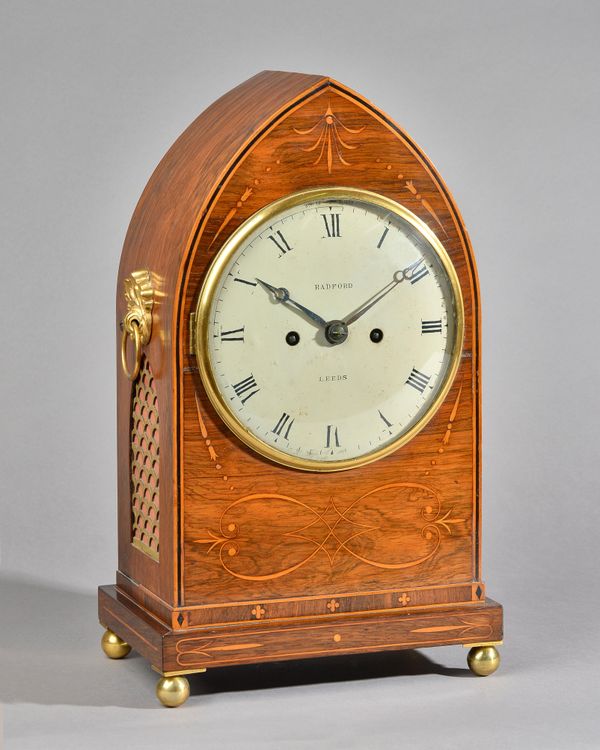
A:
{"points": [[483, 660], [113, 646], [172, 691]]}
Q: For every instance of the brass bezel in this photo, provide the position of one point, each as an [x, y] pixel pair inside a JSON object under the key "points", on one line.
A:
{"points": [[210, 285]]}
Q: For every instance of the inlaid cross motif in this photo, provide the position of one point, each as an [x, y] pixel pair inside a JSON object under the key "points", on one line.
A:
{"points": [[404, 599], [333, 605], [258, 611]]}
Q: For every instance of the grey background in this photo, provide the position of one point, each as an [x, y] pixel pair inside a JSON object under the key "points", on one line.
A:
{"points": [[505, 99]]}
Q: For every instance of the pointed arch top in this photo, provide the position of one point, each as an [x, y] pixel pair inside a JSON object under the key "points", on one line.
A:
{"points": [[270, 136]]}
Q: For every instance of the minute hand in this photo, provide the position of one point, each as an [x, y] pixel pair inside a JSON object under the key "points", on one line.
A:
{"points": [[399, 277], [282, 295]]}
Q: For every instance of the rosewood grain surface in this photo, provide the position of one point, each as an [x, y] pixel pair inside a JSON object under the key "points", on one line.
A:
{"points": [[159, 238], [198, 648], [225, 564], [242, 552], [342, 605], [207, 649], [132, 623]]}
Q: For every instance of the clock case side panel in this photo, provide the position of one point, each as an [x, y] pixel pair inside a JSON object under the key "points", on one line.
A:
{"points": [[216, 466], [158, 239]]}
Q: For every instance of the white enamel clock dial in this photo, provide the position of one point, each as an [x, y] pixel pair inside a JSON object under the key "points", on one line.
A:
{"points": [[329, 328]]}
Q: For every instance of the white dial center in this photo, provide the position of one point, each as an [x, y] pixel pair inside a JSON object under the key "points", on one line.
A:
{"points": [[331, 328]]}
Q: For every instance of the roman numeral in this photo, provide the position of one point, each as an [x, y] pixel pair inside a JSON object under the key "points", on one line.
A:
{"points": [[419, 274], [245, 385], [231, 335], [380, 243], [280, 242], [418, 380], [385, 421], [284, 420], [431, 326], [333, 438], [243, 281], [332, 224]]}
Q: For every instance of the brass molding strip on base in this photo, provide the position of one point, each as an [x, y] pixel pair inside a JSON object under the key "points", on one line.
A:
{"points": [[480, 644], [179, 673]]}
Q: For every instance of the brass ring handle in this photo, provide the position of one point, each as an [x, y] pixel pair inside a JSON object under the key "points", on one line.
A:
{"points": [[134, 332], [137, 322]]}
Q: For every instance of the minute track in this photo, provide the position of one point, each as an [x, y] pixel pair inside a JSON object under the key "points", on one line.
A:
{"points": [[349, 403]]}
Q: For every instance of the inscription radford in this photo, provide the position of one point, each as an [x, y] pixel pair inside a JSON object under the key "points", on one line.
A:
{"points": [[333, 286]]}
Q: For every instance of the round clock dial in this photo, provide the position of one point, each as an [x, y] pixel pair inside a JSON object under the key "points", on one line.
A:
{"points": [[329, 328]]}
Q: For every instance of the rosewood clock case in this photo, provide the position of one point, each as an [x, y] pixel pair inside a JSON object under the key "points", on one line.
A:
{"points": [[225, 557]]}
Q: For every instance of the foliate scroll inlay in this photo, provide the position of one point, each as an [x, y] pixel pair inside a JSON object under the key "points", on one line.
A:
{"points": [[321, 640], [144, 463], [476, 627], [252, 546], [189, 649]]}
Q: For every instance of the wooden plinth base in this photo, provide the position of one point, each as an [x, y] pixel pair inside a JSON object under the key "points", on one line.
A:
{"points": [[177, 652]]}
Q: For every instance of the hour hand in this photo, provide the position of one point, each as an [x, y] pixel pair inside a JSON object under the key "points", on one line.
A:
{"points": [[281, 294]]}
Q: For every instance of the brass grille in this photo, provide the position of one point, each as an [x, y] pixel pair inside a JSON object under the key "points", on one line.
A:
{"points": [[144, 463]]}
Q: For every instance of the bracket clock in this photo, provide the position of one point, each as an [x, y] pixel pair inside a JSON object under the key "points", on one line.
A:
{"points": [[298, 395]]}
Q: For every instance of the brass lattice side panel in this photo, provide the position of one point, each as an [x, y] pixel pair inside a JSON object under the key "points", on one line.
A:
{"points": [[144, 463]]}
